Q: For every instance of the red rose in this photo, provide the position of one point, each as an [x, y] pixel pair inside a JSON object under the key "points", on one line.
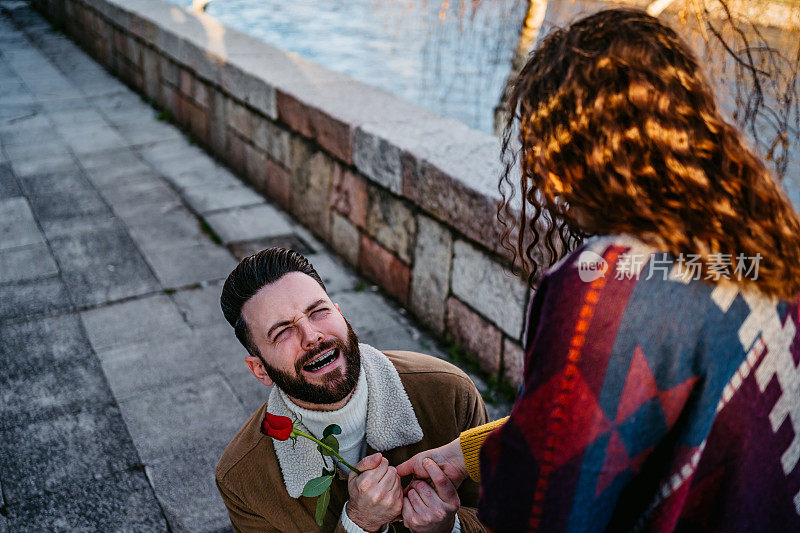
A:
{"points": [[277, 427]]}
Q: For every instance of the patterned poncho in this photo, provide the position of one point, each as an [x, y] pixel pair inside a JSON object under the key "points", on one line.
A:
{"points": [[652, 401]]}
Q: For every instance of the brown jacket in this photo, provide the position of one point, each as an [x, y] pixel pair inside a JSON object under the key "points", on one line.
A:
{"points": [[249, 478]]}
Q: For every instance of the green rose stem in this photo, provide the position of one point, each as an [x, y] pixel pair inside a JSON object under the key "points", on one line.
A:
{"points": [[298, 433]]}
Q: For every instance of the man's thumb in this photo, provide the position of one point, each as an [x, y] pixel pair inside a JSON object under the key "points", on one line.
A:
{"points": [[369, 462]]}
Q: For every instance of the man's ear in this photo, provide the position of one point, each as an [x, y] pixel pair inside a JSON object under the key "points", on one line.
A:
{"points": [[257, 368], [337, 308]]}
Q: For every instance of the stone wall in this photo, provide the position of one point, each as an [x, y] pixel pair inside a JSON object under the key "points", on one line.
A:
{"points": [[405, 196]]}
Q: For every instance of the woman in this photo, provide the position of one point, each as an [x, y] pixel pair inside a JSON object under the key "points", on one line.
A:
{"points": [[661, 388]]}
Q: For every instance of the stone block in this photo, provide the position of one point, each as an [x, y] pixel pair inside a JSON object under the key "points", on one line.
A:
{"points": [[273, 140], [185, 82], [201, 93], [391, 223], [170, 72], [26, 262], [279, 184], [247, 223], [237, 155], [66, 449], [205, 63], [150, 71], [333, 135], [123, 501], [349, 196], [430, 277], [102, 266], [44, 165], [469, 210], [378, 159], [218, 124], [17, 225], [9, 188], [474, 334], [203, 417], [345, 238], [240, 120], [144, 28], [310, 196], [154, 317], [381, 266], [64, 195], [489, 288], [249, 88], [196, 119], [513, 363], [256, 167], [208, 198]]}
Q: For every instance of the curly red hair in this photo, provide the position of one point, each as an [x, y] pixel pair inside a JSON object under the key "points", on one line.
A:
{"points": [[620, 134]]}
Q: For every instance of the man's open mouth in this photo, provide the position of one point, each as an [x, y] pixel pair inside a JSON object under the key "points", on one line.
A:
{"points": [[322, 360]]}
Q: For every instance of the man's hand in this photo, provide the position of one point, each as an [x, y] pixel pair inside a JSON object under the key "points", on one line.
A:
{"points": [[426, 510], [376, 496], [448, 457]]}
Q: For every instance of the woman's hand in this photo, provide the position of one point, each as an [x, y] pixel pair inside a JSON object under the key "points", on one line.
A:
{"points": [[448, 457]]}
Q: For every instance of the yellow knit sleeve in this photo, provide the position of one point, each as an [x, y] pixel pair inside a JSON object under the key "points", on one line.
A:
{"points": [[471, 441]]}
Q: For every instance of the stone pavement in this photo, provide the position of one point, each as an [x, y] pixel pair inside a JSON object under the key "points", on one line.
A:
{"points": [[121, 383]]}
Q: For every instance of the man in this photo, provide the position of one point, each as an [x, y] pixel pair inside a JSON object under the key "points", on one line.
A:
{"points": [[389, 406]]}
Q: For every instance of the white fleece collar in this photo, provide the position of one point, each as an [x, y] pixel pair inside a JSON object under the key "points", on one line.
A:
{"points": [[391, 422]]}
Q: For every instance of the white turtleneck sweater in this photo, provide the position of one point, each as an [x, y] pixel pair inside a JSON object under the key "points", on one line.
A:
{"points": [[352, 418]]}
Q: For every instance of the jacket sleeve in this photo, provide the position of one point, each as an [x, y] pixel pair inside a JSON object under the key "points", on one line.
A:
{"points": [[242, 518]]}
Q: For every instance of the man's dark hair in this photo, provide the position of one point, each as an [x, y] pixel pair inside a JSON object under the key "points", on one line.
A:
{"points": [[252, 273]]}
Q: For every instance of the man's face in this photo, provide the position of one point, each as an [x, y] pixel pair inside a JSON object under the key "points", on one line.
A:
{"points": [[307, 347]]}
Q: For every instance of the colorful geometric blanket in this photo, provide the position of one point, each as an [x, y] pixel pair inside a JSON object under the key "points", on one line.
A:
{"points": [[653, 401]]}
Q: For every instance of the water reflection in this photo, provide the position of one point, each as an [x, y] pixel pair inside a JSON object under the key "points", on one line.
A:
{"points": [[452, 57]]}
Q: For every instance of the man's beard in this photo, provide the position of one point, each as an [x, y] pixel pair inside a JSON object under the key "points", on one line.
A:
{"points": [[338, 385]]}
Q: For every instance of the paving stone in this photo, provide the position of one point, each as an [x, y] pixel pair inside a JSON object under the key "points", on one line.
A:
{"points": [[69, 448], [207, 198], [152, 317], [187, 173], [33, 297], [161, 227], [242, 249], [489, 289], [47, 366], [9, 188], [123, 501], [69, 117], [200, 306], [149, 130], [138, 189], [44, 165], [17, 225], [26, 262], [186, 489], [137, 369], [367, 311], [52, 147], [89, 138], [204, 415], [67, 227], [337, 276], [102, 266], [19, 120], [246, 223], [115, 163], [187, 265], [62, 195]]}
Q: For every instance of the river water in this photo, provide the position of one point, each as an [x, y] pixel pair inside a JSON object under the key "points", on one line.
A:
{"points": [[450, 56]]}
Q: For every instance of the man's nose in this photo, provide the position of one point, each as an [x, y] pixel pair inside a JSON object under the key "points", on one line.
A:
{"points": [[310, 335]]}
